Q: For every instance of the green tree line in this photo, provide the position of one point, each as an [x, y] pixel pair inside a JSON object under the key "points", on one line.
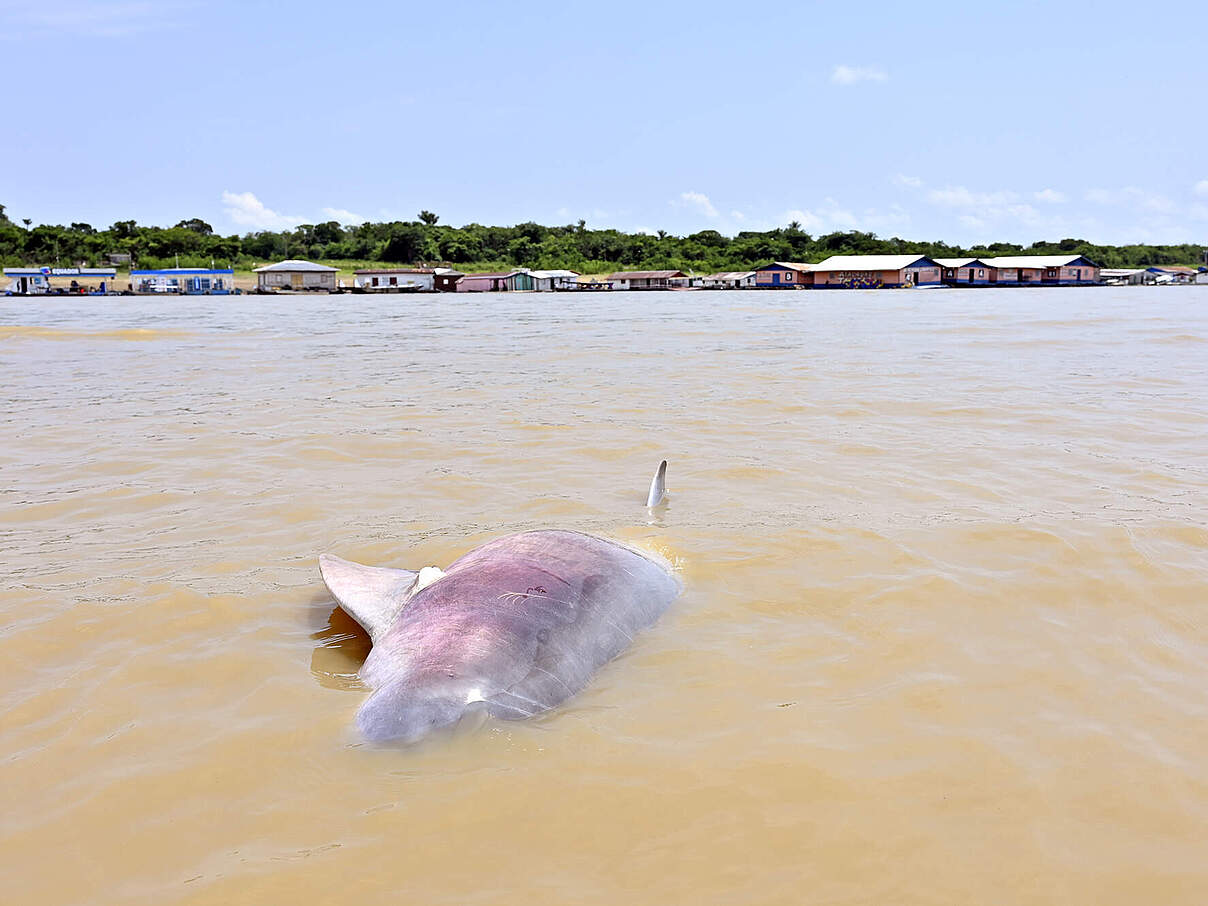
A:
{"points": [[193, 243]]}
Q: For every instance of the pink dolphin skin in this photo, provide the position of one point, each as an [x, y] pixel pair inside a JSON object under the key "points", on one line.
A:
{"points": [[520, 624]]}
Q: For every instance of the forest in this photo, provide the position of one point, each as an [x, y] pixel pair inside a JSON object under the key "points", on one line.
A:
{"points": [[474, 247]]}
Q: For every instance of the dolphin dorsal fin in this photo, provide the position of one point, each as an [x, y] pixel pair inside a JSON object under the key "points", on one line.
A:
{"points": [[373, 596], [658, 485]]}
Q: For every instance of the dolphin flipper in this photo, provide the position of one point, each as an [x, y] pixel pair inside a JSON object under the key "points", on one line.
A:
{"points": [[658, 485], [373, 596]]}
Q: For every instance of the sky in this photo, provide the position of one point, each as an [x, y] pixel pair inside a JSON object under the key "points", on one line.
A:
{"points": [[962, 122]]}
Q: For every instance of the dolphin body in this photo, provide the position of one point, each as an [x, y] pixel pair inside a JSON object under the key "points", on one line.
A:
{"points": [[520, 624]]}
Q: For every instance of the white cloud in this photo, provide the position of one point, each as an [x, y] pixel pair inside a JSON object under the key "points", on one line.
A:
{"points": [[831, 216], [1133, 197], [960, 197], [810, 222], [698, 201], [1201, 188], [246, 210], [1149, 201], [850, 75], [1050, 196], [910, 182], [346, 217]]}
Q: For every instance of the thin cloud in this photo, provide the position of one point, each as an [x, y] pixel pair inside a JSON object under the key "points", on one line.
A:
{"points": [[344, 216], [1201, 188], [1136, 197], [831, 216], [699, 202], [852, 75], [910, 182], [960, 197], [246, 210], [1050, 196]]}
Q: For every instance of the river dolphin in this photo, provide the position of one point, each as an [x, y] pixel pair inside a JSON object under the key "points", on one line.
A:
{"points": [[519, 624]]}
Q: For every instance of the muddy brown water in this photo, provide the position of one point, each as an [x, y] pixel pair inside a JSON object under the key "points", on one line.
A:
{"points": [[943, 639]]}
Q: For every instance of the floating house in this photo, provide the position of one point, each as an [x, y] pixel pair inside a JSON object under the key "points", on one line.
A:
{"points": [[515, 281], [646, 279], [729, 280], [1050, 270], [445, 279], [296, 275], [396, 280], [875, 271], [1125, 276], [964, 271], [27, 281], [550, 281], [1171, 273], [188, 281], [40, 280], [784, 275]]}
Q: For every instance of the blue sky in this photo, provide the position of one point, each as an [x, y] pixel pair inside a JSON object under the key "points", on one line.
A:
{"points": [[947, 121]]}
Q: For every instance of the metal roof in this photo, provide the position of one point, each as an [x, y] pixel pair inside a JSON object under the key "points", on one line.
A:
{"points": [[184, 272], [790, 265], [1037, 261], [869, 262], [957, 262], [293, 264], [730, 275], [645, 275], [546, 275], [397, 270]]}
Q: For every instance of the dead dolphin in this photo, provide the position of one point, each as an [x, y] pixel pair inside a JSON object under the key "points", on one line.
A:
{"points": [[519, 624]]}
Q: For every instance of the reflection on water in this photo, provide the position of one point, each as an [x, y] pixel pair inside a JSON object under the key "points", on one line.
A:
{"points": [[943, 636]]}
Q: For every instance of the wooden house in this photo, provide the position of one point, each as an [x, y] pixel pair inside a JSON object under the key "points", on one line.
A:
{"points": [[445, 279], [514, 281], [645, 279], [396, 280], [296, 275]]}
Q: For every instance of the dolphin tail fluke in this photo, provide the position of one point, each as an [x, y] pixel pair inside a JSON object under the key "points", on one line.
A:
{"points": [[658, 485], [371, 595]]}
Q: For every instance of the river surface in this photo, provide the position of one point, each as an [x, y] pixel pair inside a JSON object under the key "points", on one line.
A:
{"points": [[943, 637]]}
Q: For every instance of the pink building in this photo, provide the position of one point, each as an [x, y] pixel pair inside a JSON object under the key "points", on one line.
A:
{"points": [[784, 275], [875, 272], [964, 271], [1043, 270]]}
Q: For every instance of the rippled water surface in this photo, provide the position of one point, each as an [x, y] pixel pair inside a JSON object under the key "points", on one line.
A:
{"points": [[943, 639]]}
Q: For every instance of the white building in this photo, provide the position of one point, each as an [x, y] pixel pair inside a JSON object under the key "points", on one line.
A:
{"points": [[25, 281], [296, 275], [38, 280], [545, 281], [396, 280], [1125, 276], [729, 280]]}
